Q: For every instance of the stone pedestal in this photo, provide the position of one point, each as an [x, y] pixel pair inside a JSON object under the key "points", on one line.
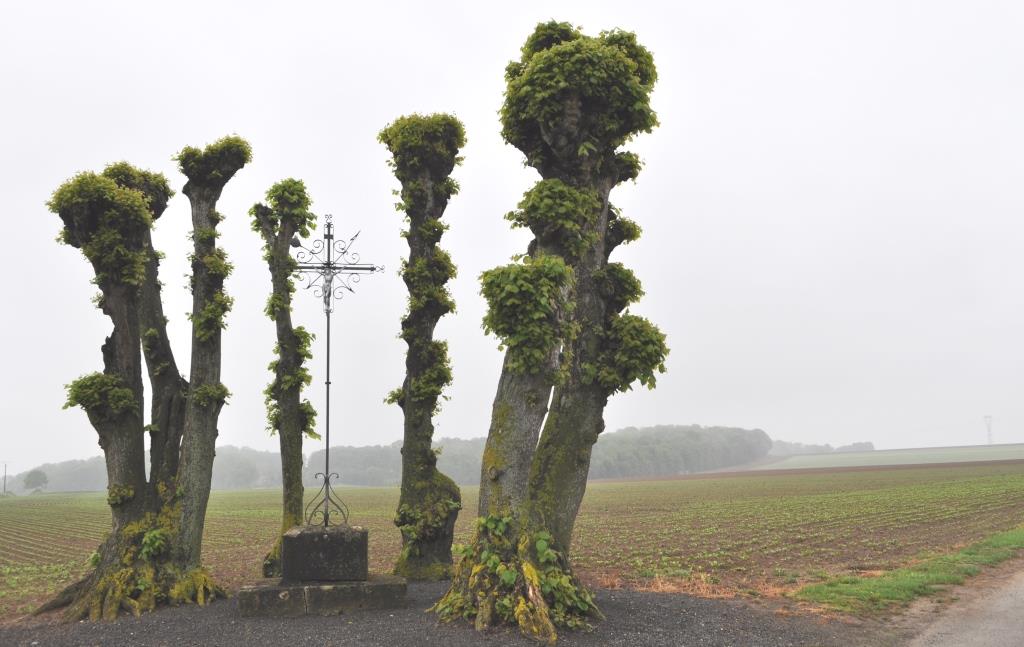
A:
{"points": [[291, 600], [324, 573], [324, 554]]}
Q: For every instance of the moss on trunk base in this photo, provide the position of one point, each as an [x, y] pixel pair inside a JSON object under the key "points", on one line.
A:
{"points": [[426, 518], [135, 572], [511, 576]]}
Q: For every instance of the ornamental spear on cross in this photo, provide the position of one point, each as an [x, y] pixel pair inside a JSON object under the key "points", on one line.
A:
{"points": [[329, 268]]}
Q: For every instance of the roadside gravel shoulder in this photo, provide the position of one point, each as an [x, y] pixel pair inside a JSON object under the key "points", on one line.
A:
{"points": [[633, 619]]}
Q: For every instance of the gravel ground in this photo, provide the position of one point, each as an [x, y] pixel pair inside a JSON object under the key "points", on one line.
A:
{"points": [[633, 619], [992, 619]]}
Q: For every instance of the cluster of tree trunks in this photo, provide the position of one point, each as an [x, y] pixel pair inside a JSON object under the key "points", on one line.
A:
{"points": [[153, 552]]}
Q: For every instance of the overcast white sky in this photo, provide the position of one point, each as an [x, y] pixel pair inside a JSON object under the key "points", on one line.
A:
{"points": [[832, 207]]}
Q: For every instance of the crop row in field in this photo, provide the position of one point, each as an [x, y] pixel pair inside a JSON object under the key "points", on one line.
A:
{"points": [[756, 533]]}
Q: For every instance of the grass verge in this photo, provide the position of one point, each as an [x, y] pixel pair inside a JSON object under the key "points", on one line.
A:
{"points": [[867, 595]]}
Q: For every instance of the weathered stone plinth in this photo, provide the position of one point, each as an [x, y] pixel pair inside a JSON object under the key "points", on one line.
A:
{"points": [[324, 573], [319, 554], [291, 600]]}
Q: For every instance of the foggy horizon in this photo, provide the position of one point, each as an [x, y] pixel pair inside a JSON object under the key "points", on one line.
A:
{"points": [[831, 206]]}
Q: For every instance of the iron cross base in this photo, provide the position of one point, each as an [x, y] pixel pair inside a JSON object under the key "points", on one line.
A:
{"points": [[325, 572]]}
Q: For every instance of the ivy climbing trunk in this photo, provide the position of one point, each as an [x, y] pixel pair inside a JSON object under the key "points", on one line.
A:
{"points": [[288, 415], [424, 152]]}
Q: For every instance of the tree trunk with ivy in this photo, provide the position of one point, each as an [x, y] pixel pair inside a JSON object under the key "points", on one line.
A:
{"points": [[425, 150], [288, 415], [571, 101], [136, 567], [207, 170]]}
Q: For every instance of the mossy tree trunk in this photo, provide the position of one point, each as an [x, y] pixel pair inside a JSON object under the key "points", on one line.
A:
{"points": [[207, 171], [109, 217], [558, 471], [596, 369], [425, 151], [169, 389], [288, 415], [519, 408], [571, 101]]}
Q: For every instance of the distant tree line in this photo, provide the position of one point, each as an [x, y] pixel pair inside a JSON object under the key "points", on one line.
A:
{"points": [[783, 448], [667, 450]]}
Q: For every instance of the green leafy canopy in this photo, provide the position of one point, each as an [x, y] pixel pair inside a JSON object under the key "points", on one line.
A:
{"points": [[556, 213], [152, 185], [424, 144], [288, 202], [633, 350], [100, 394], [600, 85], [108, 223], [523, 301], [215, 164]]}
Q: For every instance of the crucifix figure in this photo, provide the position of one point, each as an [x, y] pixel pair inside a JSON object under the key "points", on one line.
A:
{"points": [[329, 268]]}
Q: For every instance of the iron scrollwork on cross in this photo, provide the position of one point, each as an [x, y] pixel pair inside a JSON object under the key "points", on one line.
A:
{"points": [[329, 268], [325, 504]]}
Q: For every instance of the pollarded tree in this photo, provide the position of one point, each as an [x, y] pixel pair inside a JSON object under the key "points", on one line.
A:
{"points": [[424, 151], [286, 215], [109, 223], [169, 390], [207, 170], [148, 557], [571, 101]]}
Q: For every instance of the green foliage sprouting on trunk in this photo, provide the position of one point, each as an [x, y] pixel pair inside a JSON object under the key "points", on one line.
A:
{"points": [[140, 563], [208, 170], [512, 575], [425, 150], [288, 415], [571, 101]]}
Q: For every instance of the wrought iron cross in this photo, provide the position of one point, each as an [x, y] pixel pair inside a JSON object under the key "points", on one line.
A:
{"points": [[329, 268]]}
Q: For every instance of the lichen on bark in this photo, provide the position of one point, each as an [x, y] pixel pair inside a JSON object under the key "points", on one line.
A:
{"points": [[424, 150]]}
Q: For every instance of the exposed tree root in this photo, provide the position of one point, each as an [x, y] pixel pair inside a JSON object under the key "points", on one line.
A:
{"points": [[135, 572], [64, 598], [525, 582], [137, 590]]}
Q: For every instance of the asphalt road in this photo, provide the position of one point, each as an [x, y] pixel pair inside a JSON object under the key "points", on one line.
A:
{"points": [[995, 619]]}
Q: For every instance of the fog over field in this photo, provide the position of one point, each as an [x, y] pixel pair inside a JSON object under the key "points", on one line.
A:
{"points": [[832, 205]]}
